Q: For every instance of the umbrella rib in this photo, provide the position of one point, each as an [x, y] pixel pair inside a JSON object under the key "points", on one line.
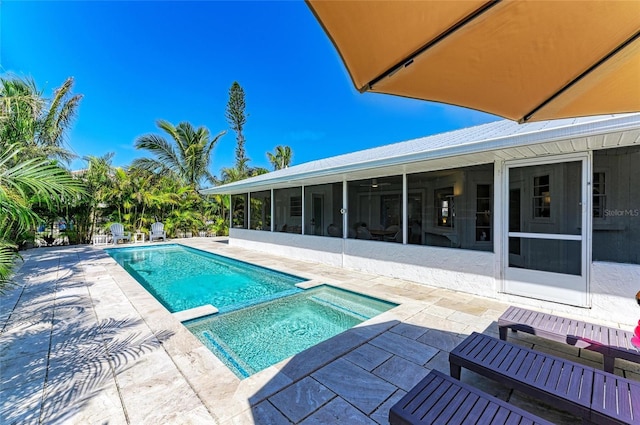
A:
{"points": [[409, 59], [571, 83]]}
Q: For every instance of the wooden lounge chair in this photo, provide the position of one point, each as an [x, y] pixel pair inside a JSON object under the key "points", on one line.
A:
{"points": [[612, 343], [157, 232], [441, 399], [592, 394], [118, 233]]}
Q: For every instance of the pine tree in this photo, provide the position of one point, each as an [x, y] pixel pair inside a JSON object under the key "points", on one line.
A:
{"points": [[237, 118]]}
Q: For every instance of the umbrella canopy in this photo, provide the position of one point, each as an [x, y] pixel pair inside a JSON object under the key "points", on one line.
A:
{"points": [[522, 60]]}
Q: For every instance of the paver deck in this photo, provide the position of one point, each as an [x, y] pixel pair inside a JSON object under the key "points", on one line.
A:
{"points": [[82, 342]]}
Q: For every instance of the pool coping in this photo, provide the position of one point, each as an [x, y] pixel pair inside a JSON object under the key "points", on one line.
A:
{"points": [[195, 313]]}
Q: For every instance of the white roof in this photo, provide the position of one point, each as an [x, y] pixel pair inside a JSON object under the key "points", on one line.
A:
{"points": [[493, 136]]}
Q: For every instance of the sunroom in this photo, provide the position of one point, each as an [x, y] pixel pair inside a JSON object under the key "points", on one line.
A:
{"points": [[543, 214]]}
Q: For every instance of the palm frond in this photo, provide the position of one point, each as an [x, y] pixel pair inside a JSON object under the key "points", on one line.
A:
{"points": [[48, 130], [65, 117], [16, 215], [56, 120], [154, 166], [8, 257], [40, 177], [213, 142], [170, 129], [161, 149]]}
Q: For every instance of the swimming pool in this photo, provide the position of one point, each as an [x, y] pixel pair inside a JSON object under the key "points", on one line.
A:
{"points": [[182, 278], [252, 339]]}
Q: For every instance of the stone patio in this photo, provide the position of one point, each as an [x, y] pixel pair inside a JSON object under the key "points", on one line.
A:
{"points": [[82, 342]]}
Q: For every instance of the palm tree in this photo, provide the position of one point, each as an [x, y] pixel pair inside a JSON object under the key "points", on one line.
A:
{"points": [[164, 198], [32, 132], [240, 171], [234, 174], [282, 157], [20, 183], [37, 124], [141, 181], [19, 111], [119, 191], [187, 156], [57, 118], [97, 178]]}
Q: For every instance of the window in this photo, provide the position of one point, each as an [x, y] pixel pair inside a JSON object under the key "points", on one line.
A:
{"points": [[541, 197], [451, 208], [390, 209], [530, 191], [296, 206], [239, 211], [483, 213], [444, 207], [260, 210], [375, 209], [616, 236], [288, 210], [599, 195], [322, 205]]}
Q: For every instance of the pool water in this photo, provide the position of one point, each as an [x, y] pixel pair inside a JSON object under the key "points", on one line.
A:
{"points": [[245, 340], [182, 278]]}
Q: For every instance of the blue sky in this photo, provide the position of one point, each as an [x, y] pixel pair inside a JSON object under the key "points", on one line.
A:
{"points": [[136, 62]]}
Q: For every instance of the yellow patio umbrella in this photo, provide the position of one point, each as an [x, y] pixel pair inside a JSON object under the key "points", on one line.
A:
{"points": [[522, 60]]}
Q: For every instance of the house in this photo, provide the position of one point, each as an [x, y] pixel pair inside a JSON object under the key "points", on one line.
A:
{"points": [[543, 214]]}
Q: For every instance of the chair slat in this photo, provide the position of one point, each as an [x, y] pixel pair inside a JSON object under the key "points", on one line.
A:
{"points": [[441, 399]]}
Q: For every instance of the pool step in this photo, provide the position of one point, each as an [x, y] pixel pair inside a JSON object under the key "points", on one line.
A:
{"points": [[195, 313]]}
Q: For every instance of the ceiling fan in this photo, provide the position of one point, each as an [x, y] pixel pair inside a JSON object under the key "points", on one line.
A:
{"points": [[375, 184]]}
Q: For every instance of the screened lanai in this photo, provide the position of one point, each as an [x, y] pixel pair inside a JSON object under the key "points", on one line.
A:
{"points": [[543, 211]]}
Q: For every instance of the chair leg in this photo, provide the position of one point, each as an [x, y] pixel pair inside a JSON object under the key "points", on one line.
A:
{"points": [[503, 332], [454, 370], [609, 363]]}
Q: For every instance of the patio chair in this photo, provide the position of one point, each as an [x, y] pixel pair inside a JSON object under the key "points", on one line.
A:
{"points": [[393, 233], [118, 233], [611, 342], [596, 396], [438, 398], [334, 231], [363, 233], [157, 232]]}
